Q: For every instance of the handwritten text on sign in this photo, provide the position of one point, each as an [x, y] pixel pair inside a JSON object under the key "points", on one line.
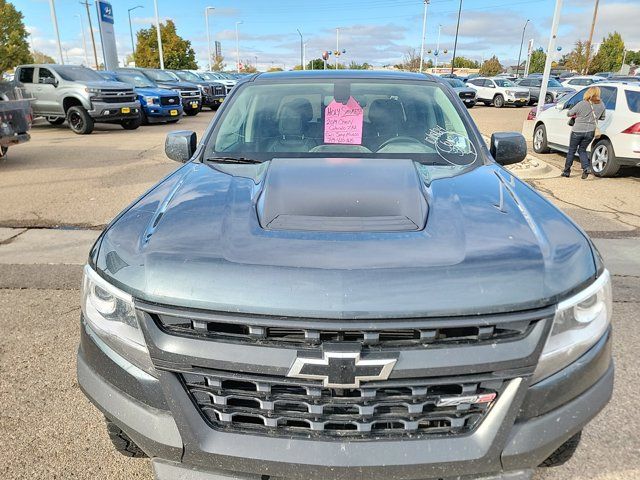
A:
{"points": [[343, 123]]}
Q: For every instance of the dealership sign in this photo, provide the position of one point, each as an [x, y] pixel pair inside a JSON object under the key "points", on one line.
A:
{"points": [[107, 35]]}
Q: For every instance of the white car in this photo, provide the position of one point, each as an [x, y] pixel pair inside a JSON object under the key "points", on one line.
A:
{"points": [[619, 144], [499, 91], [577, 82]]}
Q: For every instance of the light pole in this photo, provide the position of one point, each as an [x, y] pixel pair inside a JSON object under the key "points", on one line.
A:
{"points": [[155, 6], [455, 43], [550, 49], [424, 32], [133, 45], [256, 63], [521, 43], [337, 48], [84, 39], [93, 39], [206, 21], [437, 52], [237, 48], [54, 19], [304, 56], [301, 49], [593, 26]]}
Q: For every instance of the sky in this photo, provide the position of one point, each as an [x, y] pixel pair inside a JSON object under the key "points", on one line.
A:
{"points": [[379, 32]]}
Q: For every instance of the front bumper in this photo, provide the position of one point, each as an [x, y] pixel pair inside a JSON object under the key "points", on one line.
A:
{"points": [[191, 104], [110, 112], [512, 100], [212, 100], [161, 113], [524, 427]]}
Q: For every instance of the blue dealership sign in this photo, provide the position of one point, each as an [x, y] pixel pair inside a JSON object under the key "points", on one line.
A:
{"points": [[106, 12]]}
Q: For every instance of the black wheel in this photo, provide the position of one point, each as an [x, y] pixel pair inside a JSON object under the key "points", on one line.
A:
{"points": [[548, 98], [564, 452], [469, 104], [79, 121], [143, 116], [540, 139], [519, 105], [132, 123], [191, 113], [603, 159], [3, 153], [486, 103], [531, 103], [56, 120], [122, 442], [498, 101]]}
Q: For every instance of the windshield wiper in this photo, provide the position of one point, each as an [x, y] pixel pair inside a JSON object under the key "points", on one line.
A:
{"points": [[232, 160]]}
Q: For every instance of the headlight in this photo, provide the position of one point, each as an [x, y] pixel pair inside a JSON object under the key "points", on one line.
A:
{"points": [[579, 323], [509, 92], [151, 100], [111, 315], [92, 90]]}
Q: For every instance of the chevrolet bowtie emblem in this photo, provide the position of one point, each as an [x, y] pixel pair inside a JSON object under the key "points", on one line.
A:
{"points": [[342, 369]]}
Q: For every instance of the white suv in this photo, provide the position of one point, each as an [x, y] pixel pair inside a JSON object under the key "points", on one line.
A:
{"points": [[619, 144], [499, 91], [576, 83]]}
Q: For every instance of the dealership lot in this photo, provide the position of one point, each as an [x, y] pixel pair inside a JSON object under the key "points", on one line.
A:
{"points": [[60, 189]]}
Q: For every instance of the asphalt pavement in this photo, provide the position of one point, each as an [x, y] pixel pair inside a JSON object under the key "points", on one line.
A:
{"points": [[59, 190]]}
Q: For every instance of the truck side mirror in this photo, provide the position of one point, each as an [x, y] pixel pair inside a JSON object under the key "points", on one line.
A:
{"points": [[508, 147], [181, 145], [49, 81]]}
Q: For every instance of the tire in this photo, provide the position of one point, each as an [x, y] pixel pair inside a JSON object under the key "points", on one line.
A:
{"points": [[122, 442], [564, 452], [603, 159], [498, 101], [143, 116], [531, 103], [548, 98], [79, 121], [191, 113], [540, 139], [519, 105], [486, 103], [56, 120], [3, 153], [132, 123], [469, 105]]}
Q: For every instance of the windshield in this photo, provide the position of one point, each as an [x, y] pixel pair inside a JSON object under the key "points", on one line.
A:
{"points": [[348, 119], [455, 83], [209, 76], [136, 79], [188, 76], [78, 74], [160, 75], [504, 83]]}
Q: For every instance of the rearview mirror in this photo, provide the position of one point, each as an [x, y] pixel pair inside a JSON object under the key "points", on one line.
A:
{"points": [[180, 145], [508, 147]]}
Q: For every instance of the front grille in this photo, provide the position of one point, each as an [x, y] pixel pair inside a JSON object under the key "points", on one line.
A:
{"points": [[521, 95], [115, 96], [467, 95], [294, 333], [170, 100], [190, 94], [286, 407], [219, 90]]}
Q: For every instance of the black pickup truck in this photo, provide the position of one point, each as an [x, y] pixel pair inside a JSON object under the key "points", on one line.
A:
{"points": [[15, 117]]}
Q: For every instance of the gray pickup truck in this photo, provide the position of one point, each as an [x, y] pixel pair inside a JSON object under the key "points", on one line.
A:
{"points": [[78, 95]]}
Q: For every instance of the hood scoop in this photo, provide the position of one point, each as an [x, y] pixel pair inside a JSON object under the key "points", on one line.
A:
{"points": [[342, 195]]}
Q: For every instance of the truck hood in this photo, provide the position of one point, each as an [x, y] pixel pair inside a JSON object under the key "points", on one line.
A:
{"points": [[157, 92], [107, 85], [481, 242], [177, 84]]}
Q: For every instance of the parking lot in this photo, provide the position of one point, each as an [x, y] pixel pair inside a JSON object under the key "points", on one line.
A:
{"points": [[60, 189]]}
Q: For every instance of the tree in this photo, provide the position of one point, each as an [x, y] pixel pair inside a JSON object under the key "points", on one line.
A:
{"points": [[537, 61], [39, 57], [462, 62], [633, 58], [411, 61], [14, 48], [576, 59], [315, 64], [275, 69], [491, 67], [358, 66], [218, 64], [609, 56], [177, 51], [247, 67]]}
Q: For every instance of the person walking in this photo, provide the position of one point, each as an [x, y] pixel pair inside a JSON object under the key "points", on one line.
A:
{"points": [[583, 121]]}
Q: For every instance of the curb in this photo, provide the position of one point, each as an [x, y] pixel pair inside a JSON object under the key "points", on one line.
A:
{"points": [[531, 167]]}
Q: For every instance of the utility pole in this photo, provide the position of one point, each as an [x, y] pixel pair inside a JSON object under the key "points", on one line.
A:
{"points": [[437, 52], [93, 39], [155, 6], [84, 40], [521, 43], [455, 44], [206, 21], [424, 33], [237, 48], [133, 45], [301, 50], [54, 19], [593, 26], [550, 50]]}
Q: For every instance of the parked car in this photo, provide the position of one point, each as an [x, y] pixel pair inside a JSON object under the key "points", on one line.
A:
{"points": [[156, 104], [344, 282], [15, 117], [78, 95], [625, 78], [566, 75], [189, 92], [555, 89], [499, 91], [213, 92], [466, 94], [619, 144], [605, 74], [577, 82], [227, 80]]}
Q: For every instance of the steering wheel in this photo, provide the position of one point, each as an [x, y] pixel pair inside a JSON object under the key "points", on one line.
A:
{"points": [[401, 139]]}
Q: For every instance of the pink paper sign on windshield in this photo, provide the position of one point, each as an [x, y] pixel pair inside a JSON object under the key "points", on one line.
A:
{"points": [[343, 123]]}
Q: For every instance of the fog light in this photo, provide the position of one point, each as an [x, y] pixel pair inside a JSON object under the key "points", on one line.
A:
{"points": [[106, 112]]}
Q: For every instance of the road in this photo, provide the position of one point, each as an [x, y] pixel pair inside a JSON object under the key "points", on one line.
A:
{"points": [[76, 184]]}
